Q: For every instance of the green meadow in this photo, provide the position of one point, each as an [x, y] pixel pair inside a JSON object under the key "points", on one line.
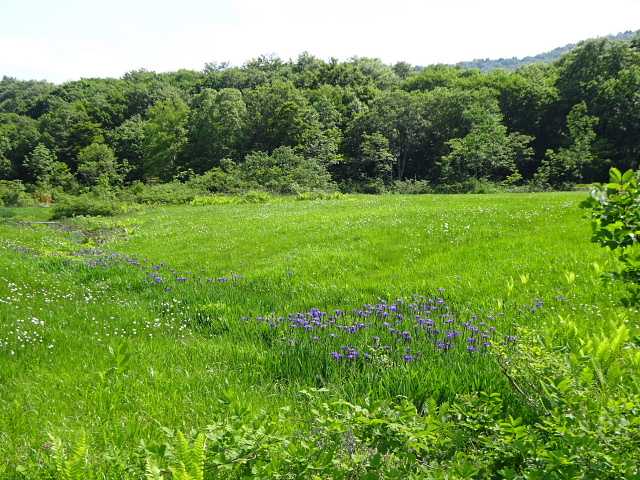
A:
{"points": [[276, 340]]}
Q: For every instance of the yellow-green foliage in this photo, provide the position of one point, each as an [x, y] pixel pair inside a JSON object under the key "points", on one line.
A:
{"points": [[188, 459], [71, 462]]}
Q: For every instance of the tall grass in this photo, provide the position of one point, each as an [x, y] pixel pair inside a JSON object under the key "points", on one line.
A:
{"points": [[198, 306]]}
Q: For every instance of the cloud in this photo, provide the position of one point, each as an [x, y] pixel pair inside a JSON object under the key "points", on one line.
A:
{"points": [[62, 59], [128, 27]]}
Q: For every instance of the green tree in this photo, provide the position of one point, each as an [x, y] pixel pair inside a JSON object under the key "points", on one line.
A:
{"points": [[164, 138], [20, 136], [574, 163], [622, 118], [582, 71], [600, 72], [6, 169], [97, 165], [432, 77], [266, 70], [22, 96], [39, 164], [342, 74], [46, 172], [83, 134], [404, 70], [445, 114], [217, 128], [278, 115], [400, 117], [307, 70], [327, 110], [376, 157], [523, 97], [127, 140], [487, 151], [614, 210], [58, 126], [104, 100], [376, 73]]}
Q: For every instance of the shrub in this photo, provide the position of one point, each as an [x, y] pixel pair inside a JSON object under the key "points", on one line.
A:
{"points": [[470, 185], [13, 194], [285, 171], [412, 187], [320, 195], [86, 205], [173, 193], [256, 196], [615, 212], [217, 180], [214, 200]]}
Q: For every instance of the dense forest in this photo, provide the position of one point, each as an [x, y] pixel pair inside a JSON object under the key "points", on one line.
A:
{"points": [[309, 124]]}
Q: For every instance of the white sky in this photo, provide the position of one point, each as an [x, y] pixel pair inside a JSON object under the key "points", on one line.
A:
{"points": [[60, 40]]}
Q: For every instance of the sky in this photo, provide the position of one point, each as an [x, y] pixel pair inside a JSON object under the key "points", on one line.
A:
{"points": [[62, 40]]}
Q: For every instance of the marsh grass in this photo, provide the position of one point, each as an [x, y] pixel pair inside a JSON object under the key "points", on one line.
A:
{"points": [[191, 309]]}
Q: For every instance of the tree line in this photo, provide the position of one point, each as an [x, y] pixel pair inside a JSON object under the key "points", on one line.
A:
{"points": [[358, 125], [487, 65]]}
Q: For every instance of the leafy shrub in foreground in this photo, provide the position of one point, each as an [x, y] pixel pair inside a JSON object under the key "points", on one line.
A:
{"points": [[615, 212], [583, 430], [373, 440]]}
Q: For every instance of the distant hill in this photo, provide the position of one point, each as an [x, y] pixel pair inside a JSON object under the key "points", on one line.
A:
{"points": [[488, 65]]}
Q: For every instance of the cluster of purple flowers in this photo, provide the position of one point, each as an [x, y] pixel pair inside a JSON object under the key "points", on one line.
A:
{"points": [[348, 354], [400, 329], [98, 258]]}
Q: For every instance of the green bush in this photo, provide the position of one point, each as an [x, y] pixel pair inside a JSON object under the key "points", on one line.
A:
{"points": [[218, 180], [256, 196], [13, 194], [214, 200], [285, 172], [470, 185], [173, 193], [320, 195], [615, 212], [412, 187], [86, 205]]}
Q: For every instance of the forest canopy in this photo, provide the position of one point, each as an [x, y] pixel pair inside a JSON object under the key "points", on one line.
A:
{"points": [[359, 125]]}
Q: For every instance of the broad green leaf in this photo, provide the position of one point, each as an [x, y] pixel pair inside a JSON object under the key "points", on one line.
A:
{"points": [[628, 175], [615, 175]]}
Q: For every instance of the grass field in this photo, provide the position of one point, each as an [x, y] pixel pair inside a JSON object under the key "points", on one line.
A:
{"points": [[167, 319]]}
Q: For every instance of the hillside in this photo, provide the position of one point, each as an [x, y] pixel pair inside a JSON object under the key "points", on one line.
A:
{"points": [[487, 65]]}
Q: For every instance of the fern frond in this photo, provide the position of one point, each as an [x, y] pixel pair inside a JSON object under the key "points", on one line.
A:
{"points": [[74, 467], [188, 461], [152, 472], [58, 453]]}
